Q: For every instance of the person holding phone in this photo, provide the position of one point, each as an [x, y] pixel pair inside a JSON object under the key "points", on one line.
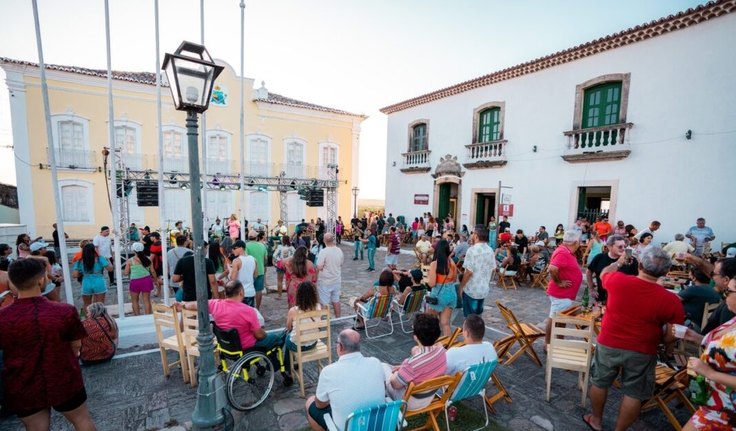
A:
{"points": [[617, 252]]}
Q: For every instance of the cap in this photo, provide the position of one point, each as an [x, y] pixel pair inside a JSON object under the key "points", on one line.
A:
{"points": [[38, 245], [137, 247], [252, 234], [731, 252], [239, 244]]}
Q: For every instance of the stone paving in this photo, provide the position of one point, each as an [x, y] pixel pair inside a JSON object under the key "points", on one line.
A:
{"points": [[130, 392]]}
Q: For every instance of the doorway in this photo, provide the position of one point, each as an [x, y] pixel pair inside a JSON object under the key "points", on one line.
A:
{"points": [[485, 207], [593, 202], [447, 201]]}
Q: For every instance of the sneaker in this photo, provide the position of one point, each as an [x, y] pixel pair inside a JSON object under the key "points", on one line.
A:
{"points": [[355, 258], [288, 380]]}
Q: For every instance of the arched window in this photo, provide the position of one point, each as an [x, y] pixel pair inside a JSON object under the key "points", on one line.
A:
{"points": [[295, 159], [128, 141], [218, 152], [71, 140], [259, 152], [602, 105], [489, 127], [176, 156], [418, 140], [76, 201], [328, 155]]}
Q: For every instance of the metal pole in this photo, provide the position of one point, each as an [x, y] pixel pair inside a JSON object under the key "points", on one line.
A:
{"points": [[242, 119], [113, 174], [52, 158], [205, 412], [161, 217], [205, 219]]}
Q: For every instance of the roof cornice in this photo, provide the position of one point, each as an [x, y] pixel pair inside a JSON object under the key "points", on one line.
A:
{"points": [[636, 34]]}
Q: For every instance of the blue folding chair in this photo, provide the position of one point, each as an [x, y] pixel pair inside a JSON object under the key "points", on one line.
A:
{"points": [[472, 383], [382, 417]]}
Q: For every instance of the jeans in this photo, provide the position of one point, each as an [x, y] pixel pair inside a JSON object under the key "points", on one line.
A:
{"points": [[274, 338], [371, 258], [358, 247], [289, 346], [472, 306]]}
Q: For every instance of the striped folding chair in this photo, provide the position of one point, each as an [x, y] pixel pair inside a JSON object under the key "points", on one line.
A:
{"points": [[472, 383], [383, 417], [378, 308], [413, 304]]}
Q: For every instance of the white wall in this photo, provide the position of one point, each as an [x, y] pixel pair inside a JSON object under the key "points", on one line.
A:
{"points": [[682, 80]]}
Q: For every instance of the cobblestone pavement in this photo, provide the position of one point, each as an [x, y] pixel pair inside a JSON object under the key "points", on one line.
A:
{"points": [[130, 392]]}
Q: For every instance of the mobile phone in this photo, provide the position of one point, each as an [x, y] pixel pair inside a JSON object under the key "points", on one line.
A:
{"points": [[628, 253]]}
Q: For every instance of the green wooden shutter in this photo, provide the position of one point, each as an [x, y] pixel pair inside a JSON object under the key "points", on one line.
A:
{"points": [[601, 105], [419, 138], [444, 202], [489, 128], [480, 209]]}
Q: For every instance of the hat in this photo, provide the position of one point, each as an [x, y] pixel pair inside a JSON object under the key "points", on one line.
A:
{"points": [[137, 247], [38, 245], [731, 252], [252, 234], [539, 243], [239, 244]]}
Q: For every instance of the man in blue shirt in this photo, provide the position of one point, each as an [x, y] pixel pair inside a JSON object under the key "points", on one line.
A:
{"points": [[700, 234]]}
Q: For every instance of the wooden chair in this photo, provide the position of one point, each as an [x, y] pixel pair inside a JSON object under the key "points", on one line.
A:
{"points": [[448, 341], [525, 334], [316, 329], [506, 277], [541, 279], [190, 330], [383, 417], [471, 384], [167, 317], [574, 352], [707, 311], [413, 304], [669, 385], [376, 309], [437, 406], [502, 394]]}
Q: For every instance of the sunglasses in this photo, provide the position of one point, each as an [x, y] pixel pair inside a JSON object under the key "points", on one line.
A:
{"points": [[728, 292]]}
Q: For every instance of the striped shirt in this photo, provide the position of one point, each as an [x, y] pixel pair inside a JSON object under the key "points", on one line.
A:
{"points": [[431, 362]]}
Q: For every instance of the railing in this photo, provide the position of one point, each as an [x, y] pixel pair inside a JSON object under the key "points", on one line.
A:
{"points": [[592, 213], [417, 159], [178, 164], [494, 150], [75, 159], [597, 139], [215, 165]]}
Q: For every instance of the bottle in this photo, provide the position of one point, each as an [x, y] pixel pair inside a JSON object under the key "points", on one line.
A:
{"points": [[699, 391], [586, 299]]}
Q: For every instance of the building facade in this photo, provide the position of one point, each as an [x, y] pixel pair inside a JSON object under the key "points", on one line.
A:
{"points": [[283, 136], [638, 125]]}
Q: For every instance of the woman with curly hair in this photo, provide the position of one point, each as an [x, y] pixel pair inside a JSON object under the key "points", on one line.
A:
{"points": [[298, 269]]}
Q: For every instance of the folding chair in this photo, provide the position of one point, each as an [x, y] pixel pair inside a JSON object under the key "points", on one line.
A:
{"points": [[574, 352], [707, 311], [523, 333], [450, 341], [315, 329], [502, 394], [540, 279], [167, 317], [378, 308], [412, 304], [437, 405], [505, 276], [668, 386], [383, 417], [471, 384]]}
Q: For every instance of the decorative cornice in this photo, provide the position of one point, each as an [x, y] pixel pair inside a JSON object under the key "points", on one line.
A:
{"points": [[485, 164], [598, 156], [636, 34], [416, 170]]}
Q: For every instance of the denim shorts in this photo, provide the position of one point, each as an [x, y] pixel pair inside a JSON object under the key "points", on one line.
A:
{"points": [[446, 296], [258, 283]]}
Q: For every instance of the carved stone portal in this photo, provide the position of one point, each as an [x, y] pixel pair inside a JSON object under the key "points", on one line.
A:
{"points": [[448, 166]]}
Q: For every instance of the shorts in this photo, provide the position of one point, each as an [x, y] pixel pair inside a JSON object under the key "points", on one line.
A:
{"points": [[72, 403], [258, 283], [392, 259], [250, 300], [318, 414], [93, 284], [557, 305], [472, 305], [637, 371], [141, 285], [328, 293], [446, 295]]}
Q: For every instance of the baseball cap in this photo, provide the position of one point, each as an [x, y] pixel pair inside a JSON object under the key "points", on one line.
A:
{"points": [[731, 252], [137, 247], [38, 245], [239, 244]]}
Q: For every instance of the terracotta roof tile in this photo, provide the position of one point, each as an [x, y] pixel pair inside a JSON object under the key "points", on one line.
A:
{"points": [[638, 33], [278, 99]]}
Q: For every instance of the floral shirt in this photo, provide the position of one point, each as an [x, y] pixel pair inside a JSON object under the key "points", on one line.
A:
{"points": [[720, 353], [479, 260]]}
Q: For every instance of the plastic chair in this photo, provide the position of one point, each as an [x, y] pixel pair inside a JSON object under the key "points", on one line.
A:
{"points": [[315, 330], [412, 304], [167, 317], [383, 417], [378, 308], [573, 353], [472, 383]]}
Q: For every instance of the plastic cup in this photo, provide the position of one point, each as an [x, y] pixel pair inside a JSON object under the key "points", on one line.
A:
{"points": [[680, 331]]}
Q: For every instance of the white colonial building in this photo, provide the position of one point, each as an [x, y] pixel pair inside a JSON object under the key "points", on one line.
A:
{"points": [[640, 124]]}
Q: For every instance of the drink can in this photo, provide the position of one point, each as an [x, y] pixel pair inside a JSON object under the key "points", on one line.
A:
{"points": [[452, 413]]}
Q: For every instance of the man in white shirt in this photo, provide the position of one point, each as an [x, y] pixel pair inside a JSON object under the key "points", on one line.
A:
{"points": [[103, 247], [479, 264], [172, 258], [475, 349], [216, 230], [351, 383], [653, 227], [678, 246], [423, 247], [245, 270], [329, 265]]}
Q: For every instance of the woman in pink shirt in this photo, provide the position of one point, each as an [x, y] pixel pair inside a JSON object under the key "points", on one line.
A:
{"points": [[233, 227]]}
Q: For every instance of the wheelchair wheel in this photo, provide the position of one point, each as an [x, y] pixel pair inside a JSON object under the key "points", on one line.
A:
{"points": [[249, 381]]}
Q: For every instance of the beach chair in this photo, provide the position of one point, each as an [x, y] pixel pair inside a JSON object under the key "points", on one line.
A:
{"points": [[506, 277], [541, 279], [668, 386], [472, 383], [450, 340], [413, 304], [383, 417], [375, 310]]}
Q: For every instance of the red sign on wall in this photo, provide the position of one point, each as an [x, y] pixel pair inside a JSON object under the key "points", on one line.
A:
{"points": [[421, 199], [506, 210]]}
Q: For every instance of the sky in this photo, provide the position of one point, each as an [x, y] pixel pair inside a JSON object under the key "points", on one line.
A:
{"points": [[348, 54]]}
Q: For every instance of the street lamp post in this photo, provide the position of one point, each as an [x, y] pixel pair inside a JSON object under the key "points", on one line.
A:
{"points": [[191, 74], [356, 190]]}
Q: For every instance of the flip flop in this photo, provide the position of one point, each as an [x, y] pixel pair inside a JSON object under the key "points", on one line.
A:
{"points": [[588, 423], [358, 328]]}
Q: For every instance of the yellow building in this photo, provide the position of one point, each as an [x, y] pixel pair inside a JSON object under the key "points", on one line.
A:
{"points": [[281, 135]]}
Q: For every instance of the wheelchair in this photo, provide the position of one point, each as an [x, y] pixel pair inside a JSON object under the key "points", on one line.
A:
{"points": [[249, 380]]}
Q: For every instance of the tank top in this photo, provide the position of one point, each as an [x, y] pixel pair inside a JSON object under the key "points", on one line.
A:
{"points": [[245, 275], [450, 277], [138, 271]]}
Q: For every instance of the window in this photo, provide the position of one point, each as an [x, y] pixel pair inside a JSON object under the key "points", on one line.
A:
{"points": [[176, 157], [178, 207], [135, 213], [259, 157], [258, 207], [295, 159], [71, 136], [71, 140], [418, 138], [490, 125], [127, 141], [76, 202], [327, 156], [219, 204], [296, 207], [218, 152], [601, 105]]}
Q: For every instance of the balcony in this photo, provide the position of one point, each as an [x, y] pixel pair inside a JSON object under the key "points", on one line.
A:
{"points": [[416, 162], [486, 155], [75, 159], [597, 143]]}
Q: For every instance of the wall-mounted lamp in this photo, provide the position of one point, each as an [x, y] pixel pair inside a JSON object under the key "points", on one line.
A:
{"points": [[534, 149], [394, 164], [689, 134]]}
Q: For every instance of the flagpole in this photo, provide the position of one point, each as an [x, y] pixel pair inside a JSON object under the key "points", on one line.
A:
{"points": [[242, 119], [161, 200]]}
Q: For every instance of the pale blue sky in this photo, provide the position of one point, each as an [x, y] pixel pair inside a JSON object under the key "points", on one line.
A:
{"points": [[348, 54]]}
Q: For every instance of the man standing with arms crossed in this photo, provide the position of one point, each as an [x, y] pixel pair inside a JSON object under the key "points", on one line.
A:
{"points": [[479, 264], [329, 265]]}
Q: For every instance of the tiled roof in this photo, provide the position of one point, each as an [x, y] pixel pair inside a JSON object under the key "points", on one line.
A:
{"points": [[639, 33], [138, 77], [278, 99]]}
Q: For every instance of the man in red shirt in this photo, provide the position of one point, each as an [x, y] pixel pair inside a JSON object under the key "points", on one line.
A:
{"points": [[636, 311], [565, 278], [39, 375]]}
